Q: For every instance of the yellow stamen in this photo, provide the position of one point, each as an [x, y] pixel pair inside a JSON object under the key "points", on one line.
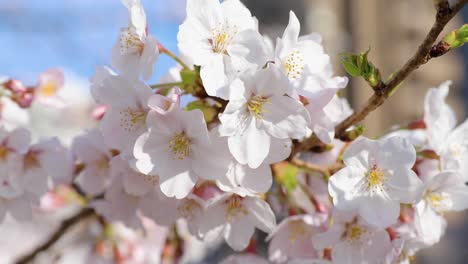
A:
{"points": [[293, 65], [31, 161], [188, 208], [49, 89], [354, 233], [375, 178], [256, 106], [132, 118], [180, 145], [234, 209]]}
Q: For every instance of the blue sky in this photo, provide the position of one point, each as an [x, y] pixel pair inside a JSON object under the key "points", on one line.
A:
{"points": [[76, 35]]}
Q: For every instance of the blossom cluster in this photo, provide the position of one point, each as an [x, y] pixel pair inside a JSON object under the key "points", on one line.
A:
{"points": [[221, 164]]}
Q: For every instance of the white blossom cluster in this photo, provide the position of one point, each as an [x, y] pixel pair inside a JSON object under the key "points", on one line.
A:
{"points": [[152, 158]]}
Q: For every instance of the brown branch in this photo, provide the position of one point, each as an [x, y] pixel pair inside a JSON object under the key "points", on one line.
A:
{"points": [[444, 14], [325, 170], [64, 227]]}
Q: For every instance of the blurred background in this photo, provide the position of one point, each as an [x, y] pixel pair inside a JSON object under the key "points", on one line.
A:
{"points": [[78, 35]]}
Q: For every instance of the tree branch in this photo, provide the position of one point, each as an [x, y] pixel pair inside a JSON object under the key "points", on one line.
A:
{"points": [[64, 227], [444, 14]]}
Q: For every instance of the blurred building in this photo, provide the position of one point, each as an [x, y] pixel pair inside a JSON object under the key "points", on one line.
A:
{"points": [[392, 29]]}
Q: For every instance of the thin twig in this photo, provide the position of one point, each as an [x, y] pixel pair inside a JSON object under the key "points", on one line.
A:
{"points": [[444, 15], [325, 170], [64, 227]]}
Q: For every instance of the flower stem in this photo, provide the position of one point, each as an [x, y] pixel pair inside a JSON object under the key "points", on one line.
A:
{"points": [[166, 85], [174, 57]]}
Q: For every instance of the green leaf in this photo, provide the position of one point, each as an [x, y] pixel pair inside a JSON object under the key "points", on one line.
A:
{"points": [[458, 37], [208, 110], [188, 76], [359, 65], [287, 175]]}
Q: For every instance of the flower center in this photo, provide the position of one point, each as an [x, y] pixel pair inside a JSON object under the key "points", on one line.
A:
{"points": [[180, 145], [435, 199], [4, 151], [234, 209], [375, 179], [102, 163], [49, 89], [457, 150], [188, 209], [221, 37], [297, 231], [354, 233], [293, 65], [256, 106], [130, 42], [31, 160], [132, 118]]}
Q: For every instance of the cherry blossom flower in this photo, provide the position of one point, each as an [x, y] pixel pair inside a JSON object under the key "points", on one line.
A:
{"points": [[449, 142], [125, 118], [48, 158], [240, 179], [238, 217], [173, 146], [326, 115], [260, 113], [308, 68], [222, 38], [131, 193], [445, 191], [90, 150], [17, 193], [291, 239], [376, 179], [136, 52], [244, 258], [354, 241], [50, 83]]}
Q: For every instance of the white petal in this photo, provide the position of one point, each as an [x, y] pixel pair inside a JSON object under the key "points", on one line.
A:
{"points": [[285, 117], [239, 233], [379, 211], [395, 152], [405, 186], [251, 147], [178, 186], [260, 213]]}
